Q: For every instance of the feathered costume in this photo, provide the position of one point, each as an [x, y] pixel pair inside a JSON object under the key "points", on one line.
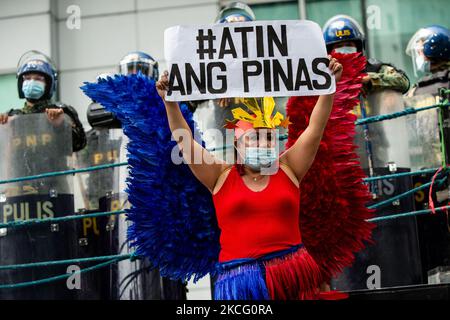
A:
{"points": [[172, 214], [333, 221], [173, 219]]}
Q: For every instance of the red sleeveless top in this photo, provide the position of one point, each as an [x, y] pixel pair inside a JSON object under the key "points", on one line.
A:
{"points": [[253, 223]]}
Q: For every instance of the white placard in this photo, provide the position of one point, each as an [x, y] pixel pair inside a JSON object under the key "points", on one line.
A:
{"points": [[247, 59]]}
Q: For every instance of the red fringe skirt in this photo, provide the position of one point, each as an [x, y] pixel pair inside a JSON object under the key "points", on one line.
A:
{"points": [[285, 275]]}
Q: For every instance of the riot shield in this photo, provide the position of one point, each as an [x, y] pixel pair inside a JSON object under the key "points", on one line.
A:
{"points": [[423, 133], [104, 146], [31, 145], [388, 140], [98, 236], [209, 118]]}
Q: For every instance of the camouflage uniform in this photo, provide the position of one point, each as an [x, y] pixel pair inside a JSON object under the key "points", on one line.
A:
{"points": [[385, 76]]}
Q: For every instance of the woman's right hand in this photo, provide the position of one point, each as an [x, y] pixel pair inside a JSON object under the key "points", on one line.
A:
{"points": [[163, 85], [3, 118]]}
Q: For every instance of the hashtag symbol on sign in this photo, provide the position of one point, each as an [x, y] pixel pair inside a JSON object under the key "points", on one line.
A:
{"points": [[209, 39]]}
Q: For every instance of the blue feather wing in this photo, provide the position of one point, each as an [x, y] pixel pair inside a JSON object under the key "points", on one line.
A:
{"points": [[172, 213]]}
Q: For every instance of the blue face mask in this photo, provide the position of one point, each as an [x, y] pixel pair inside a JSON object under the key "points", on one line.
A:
{"points": [[257, 158], [33, 89], [346, 50]]}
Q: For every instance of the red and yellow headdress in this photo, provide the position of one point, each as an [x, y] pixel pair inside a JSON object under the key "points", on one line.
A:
{"points": [[260, 116]]}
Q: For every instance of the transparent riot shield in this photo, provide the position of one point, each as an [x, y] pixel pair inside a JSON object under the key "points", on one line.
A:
{"points": [[100, 191], [103, 147], [423, 133], [387, 140], [209, 117], [31, 145]]}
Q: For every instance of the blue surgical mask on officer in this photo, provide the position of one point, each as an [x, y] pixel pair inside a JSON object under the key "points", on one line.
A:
{"points": [[33, 89]]}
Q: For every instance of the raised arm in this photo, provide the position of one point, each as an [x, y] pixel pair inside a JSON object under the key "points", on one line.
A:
{"points": [[202, 163], [301, 154]]}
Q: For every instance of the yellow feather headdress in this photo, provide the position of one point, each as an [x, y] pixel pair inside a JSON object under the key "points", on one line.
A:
{"points": [[261, 116]]}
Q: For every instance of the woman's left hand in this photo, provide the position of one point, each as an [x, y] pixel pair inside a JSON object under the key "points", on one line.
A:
{"points": [[335, 68]]}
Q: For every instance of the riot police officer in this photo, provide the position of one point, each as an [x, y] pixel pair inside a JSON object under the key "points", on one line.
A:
{"points": [[429, 49], [382, 93], [36, 82], [344, 35], [138, 61], [132, 63]]}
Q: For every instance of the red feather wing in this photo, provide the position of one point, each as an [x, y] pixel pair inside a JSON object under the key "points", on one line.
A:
{"points": [[333, 197]]}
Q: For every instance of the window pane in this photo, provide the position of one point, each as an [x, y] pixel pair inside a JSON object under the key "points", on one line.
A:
{"points": [[9, 98], [322, 10], [276, 11]]}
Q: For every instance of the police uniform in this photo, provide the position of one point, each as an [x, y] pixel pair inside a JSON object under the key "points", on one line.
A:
{"points": [[385, 76]]}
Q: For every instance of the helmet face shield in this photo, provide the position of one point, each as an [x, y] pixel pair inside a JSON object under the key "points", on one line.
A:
{"points": [[136, 62], [34, 56], [417, 40], [236, 18], [421, 64], [415, 49], [134, 67], [436, 42]]}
